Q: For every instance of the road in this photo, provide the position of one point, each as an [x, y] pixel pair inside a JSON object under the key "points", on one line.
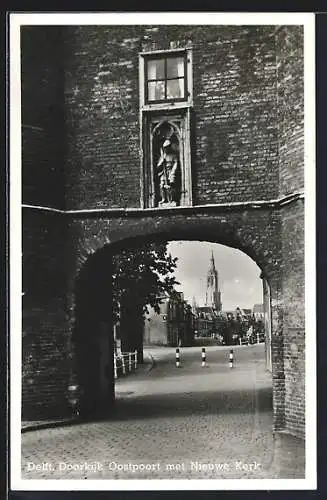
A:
{"points": [[190, 422]]}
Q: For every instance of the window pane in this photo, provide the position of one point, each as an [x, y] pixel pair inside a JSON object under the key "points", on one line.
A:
{"points": [[156, 91], [156, 69], [175, 67], [175, 89]]}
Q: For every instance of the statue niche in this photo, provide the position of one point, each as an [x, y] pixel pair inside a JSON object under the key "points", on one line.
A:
{"points": [[166, 165]]}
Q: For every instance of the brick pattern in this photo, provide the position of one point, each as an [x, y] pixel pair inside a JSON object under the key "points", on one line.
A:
{"points": [[101, 96], [289, 45], [235, 115], [235, 154], [294, 355], [46, 368], [290, 86], [294, 317], [46, 345], [293, 265], [254, 232]]}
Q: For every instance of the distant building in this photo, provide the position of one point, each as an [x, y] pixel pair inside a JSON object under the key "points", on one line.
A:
{"points": [[205, 320], [244, 314], [229, 314], [258, 311], [173, 325], [205, 315]]}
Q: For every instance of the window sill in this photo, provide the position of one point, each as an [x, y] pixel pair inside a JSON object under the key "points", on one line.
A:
{"points": [[171, 106]]}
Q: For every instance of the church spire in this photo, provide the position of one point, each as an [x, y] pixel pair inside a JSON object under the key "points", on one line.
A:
{"points": [[213, 296], [212, 262]]}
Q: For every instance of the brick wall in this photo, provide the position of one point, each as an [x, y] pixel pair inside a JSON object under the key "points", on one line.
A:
{"points": [[101, 92], [290, 117], [294, 317], [234, 113], [235, 108], [45, 326], [289, 44], [254, 231]]}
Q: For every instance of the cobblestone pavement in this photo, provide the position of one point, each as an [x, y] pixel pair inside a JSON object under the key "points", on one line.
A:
{"points": [[176, 423], [39, 424]]}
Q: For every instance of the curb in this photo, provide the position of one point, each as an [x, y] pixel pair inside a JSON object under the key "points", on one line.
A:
{"points": [[75, 421], [51, 425]]}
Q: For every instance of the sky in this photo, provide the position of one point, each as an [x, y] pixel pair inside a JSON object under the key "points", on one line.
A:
{"points": [[238, 275]]}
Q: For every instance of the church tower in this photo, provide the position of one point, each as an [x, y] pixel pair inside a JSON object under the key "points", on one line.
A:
{"points": [[194, 306], [213, 295]]}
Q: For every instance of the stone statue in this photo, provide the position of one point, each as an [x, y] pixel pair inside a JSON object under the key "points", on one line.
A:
{"points": [[167, 170]]}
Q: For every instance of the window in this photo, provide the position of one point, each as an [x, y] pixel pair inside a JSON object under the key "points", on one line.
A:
{"points": [[166, 78]]}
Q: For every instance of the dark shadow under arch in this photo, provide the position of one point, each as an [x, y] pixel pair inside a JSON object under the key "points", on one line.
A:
{"points": [[92, 336]]}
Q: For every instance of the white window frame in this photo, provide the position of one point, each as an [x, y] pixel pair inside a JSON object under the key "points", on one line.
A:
{"points": [[188, 102]]}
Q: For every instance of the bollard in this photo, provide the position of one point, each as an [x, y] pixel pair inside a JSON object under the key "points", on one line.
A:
{"points": [[130, 361], [203, 357], [258, 338], [73, 399], [231, 358], [135, 359], [115, 366], [177, 357], [240, 340], [123, 364]]}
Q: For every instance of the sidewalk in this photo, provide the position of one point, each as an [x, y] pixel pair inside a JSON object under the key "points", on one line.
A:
{"points": [[48, 424], [289, 456]]}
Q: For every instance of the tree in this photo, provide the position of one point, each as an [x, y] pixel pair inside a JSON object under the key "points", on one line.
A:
{"points": [[221, 326], [140, 276]]}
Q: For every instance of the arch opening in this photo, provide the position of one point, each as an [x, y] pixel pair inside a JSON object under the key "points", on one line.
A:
{"points": [[97, 331]]}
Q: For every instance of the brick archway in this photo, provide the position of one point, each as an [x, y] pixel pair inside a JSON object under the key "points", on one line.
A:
{"points": [[255, 233], [99, 239]]}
